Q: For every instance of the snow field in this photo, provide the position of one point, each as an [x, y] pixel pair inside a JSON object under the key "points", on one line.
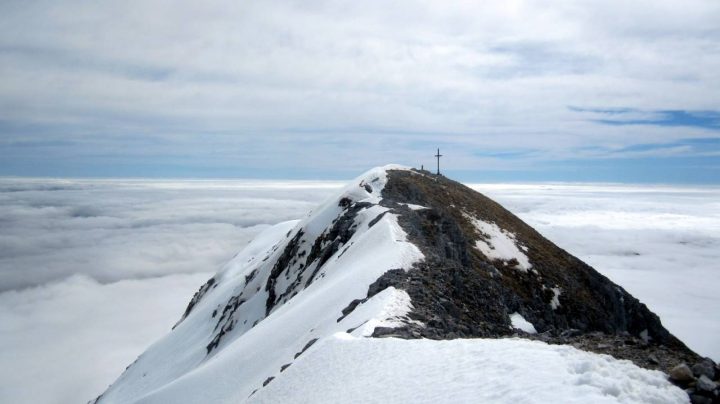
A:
{"points": [[346, 369], [178, 369]]}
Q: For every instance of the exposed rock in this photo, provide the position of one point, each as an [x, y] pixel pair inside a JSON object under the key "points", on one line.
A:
{"points": [[681, 373], [704, 367], [323, 248], [195, 299], [698, 399], [459, 292], [380, 332], [306, 347], [705, 384]]}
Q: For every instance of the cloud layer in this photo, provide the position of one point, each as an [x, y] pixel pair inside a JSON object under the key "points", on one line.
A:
{"points": [[116, 229], [94, 271], [65, 342]]}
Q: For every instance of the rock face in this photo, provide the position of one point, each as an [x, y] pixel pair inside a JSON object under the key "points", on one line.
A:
{"points": [[398, 253], [482, 263], [705, 367]]}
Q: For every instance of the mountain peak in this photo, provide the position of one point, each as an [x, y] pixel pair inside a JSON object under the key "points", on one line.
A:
{"points": [[483, 264], [397, 253]]}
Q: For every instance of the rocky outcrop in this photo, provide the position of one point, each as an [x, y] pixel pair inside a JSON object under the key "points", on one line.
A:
{"points": [[701, 381], [466, 287]]}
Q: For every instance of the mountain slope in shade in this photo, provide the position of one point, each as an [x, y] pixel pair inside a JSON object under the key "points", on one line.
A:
{"points": [[398, 253]]}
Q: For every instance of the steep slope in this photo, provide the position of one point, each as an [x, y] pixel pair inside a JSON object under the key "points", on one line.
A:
{"points": [[272, 301], [486, 273], [397, 253]]}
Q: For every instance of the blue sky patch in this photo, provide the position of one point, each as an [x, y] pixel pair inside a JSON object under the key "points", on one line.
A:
{"points": [[672, 118]]}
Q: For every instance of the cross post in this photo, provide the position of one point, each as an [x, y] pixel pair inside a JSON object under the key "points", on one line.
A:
{"points": [[438, 155]]}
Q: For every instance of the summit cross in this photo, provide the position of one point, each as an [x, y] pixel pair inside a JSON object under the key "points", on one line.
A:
{"points": [[438, 155]]}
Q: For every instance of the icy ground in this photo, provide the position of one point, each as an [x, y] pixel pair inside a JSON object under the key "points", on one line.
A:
{"points": [[660, 243], [345, 369]]}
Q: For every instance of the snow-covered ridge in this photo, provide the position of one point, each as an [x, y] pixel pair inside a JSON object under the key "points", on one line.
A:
{"points": [[463, 371], [282, 311], [290, 287]]}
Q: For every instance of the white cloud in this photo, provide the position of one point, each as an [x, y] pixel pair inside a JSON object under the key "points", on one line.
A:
{"points": [[113, 229], [230, 78], [64, 341], [155, 242]]}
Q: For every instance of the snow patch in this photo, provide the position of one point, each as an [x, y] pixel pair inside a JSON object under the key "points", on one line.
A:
{"points": [[344, 369], [412, 206], [500, 244], [555, 302], [519, 322], [388, 309]]}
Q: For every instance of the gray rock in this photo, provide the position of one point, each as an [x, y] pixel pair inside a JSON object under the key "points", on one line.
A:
{"points": [[572, 332], [704, 367], [681, 373], [705, 384], [653, 359], [698, 399]]}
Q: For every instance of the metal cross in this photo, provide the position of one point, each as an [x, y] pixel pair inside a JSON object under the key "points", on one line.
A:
{"points": [[438, 155]]}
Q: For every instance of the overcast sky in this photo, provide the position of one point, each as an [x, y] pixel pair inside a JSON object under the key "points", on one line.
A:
{"points": [[509, 90]]}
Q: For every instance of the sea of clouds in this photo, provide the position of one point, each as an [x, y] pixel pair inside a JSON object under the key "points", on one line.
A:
{"points": [[93, 271]]}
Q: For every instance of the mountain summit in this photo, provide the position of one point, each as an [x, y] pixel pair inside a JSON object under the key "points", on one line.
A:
{"points": [[407, 254]]}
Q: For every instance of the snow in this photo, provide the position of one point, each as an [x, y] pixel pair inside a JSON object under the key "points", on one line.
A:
{"points": [[519, 322], [326, 356], [500, 244], [413, 206], [346, 369], [555, 302], [255, 345], [252, 255], [390, 305]]}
